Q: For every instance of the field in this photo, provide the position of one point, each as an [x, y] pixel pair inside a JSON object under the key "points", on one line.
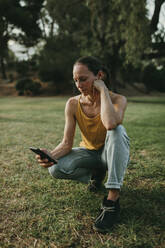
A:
{"points": [[38, 211]]}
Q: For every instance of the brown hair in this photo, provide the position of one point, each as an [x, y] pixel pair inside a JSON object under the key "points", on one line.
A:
{"points": [[95, 65]]}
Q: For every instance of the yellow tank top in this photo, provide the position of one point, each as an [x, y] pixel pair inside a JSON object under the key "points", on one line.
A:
{"points": [[92, 130]]}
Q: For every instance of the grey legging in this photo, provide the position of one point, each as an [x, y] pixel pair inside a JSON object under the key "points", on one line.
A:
{"points": [[80, 163]]}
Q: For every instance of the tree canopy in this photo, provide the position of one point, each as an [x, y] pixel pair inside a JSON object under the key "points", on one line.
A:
{"points": [[23, 15], [119, 32]]}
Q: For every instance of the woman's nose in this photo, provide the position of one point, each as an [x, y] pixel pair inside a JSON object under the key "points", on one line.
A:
{"points": [[79, 84]]}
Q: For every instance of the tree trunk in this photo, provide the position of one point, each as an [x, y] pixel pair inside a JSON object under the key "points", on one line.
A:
{"points": [[3, 69], [113, 80], [155, 17], [112, 64]]}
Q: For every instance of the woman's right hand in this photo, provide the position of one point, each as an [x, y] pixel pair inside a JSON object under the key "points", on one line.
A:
{"points": [[44, 162]]}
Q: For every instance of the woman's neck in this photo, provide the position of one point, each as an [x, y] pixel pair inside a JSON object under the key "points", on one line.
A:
{"points": [[93, 98]]}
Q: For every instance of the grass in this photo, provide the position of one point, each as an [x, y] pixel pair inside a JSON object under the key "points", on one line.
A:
{"points": [[38, 211]]}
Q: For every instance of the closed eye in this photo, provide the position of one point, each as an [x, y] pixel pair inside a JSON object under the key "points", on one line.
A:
{"points": [[81, 79]]}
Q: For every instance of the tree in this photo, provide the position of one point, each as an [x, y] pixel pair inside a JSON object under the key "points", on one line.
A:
{"points": [[66, 41], [118, 37], [56, 61], [23, 15], [117, 31], [66, 19], [156, 14], [157, 34]]}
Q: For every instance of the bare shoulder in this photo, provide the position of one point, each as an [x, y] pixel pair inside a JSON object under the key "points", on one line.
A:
{"points": [[117, 98], [71, 104]]}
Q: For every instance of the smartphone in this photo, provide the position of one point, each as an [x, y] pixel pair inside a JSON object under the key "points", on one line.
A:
{"points": [[42, 154]]}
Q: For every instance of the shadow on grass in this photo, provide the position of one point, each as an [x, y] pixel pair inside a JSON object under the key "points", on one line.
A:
{"points": [[141, 209], [144, 206]]}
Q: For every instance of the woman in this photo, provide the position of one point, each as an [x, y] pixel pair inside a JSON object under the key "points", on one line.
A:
{"points": [[105, 144]]}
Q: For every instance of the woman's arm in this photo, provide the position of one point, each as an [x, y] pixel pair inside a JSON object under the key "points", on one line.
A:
{"points": [[67, 142], [70, 123], [112, 106]]}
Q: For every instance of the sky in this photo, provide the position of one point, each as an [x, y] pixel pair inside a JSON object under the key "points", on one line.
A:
{"points": [[23, 54]]}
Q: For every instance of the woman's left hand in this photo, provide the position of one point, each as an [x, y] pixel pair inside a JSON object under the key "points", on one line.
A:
{"points": [[99, 84]]}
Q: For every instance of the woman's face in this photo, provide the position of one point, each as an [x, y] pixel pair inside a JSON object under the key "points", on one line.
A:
{"points": [[83, 78]]}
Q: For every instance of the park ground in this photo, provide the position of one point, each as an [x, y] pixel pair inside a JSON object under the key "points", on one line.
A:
{"points": [[38, 211]]}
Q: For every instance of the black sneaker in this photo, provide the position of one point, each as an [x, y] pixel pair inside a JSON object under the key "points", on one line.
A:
{"points": [[108, 216], [96, 180], [94, 185]]}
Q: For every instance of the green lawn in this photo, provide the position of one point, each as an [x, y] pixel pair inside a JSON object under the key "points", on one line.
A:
{"points": [[38, 211]]}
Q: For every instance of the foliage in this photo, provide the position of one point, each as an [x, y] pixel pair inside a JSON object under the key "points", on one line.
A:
{"points": [[96, 27], [131, 74], [116, 32], [56, 62], [24, 16], [101, 28], [104, 29], [39, 211], [22, 67], [67, 40], [21, 14], [27, 86], [153, 78], [118, 37], [67, 17]]}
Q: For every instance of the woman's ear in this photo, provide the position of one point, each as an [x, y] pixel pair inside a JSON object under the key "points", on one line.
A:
{"points": [[101, 75]]}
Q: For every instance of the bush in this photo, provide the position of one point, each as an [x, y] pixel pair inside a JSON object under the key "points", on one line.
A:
{"points": [[154, 79], [22, 67], [27, 86]]}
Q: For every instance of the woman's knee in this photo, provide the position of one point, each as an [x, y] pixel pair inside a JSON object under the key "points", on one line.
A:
{"points": [[54, 171], [68, 170], [117, 137], [115, 134], [79, 174], [65, 166]]}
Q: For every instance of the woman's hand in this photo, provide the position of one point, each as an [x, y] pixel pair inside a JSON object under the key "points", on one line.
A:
{"points": [[44, 162], [99, 84]]}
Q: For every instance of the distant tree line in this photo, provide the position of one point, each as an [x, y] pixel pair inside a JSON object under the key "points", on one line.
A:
{"points": [[119, 32]]}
